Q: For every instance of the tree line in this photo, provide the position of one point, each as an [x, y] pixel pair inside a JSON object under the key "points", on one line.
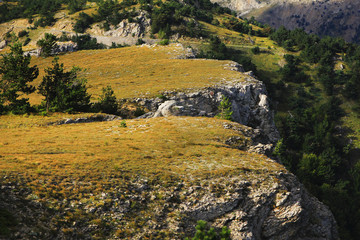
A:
{"points": [[314, 146], [63, 91]]}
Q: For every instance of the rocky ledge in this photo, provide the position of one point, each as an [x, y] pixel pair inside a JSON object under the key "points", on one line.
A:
{"points": [[274, 206], [248, 99]]}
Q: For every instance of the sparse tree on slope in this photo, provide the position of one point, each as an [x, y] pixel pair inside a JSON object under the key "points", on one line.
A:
{"points": [[16, 76], [47, 44], [64, 91]]}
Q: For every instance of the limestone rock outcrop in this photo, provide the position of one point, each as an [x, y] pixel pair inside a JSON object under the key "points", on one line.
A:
{"points": [[248, 98], [125, 28], [60, 47], [125, 32], [272, 207]]}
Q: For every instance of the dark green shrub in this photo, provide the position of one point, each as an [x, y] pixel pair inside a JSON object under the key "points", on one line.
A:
{"points": [[225, 109], [164, 42], [23, 33], [107, 101], [83, 23], [85, 42], [47, 44], [140, 41], [255, 50], [27, 41], [204, 233]]}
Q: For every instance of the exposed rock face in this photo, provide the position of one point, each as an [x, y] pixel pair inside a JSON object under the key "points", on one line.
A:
{"points": [[3, 44], [249, 104], [134, 29], [60, 47], [324, 17], [273, 207], [281, 210], [65, 47], [125, 32]]}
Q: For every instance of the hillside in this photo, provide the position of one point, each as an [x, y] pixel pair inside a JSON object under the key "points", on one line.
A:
{"points": [[140, 71], [153, 178], [294, 94], [337, 18]]}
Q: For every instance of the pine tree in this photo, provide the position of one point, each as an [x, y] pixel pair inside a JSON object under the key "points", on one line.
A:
{"points": [[47, 44], [107, 101], [225, 109], [63, 91], [15, 77]]}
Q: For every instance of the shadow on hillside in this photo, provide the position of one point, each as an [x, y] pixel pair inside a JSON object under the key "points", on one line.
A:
{"points": [[19, 217]]}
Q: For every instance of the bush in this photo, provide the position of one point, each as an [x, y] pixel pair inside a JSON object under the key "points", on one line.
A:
{"points": [[225, 109], [117, 45], [204, 233], [255, 50], [27, 41], [23, 33], [164, 42], [123, 124], [83, 23], [76, 5], [47, 44], [215, 50], [107, 101], [86, 42], [140, 41], [63, 37]]}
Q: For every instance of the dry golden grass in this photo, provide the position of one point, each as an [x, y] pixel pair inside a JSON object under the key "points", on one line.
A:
{"points": [[141, 70], [79, 161], [183, 147]]}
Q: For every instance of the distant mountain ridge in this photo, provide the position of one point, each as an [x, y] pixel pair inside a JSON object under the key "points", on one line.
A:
{"points": [[337, 18]]}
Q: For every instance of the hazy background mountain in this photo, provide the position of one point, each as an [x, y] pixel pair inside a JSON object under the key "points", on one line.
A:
{"points": [[322, 17]]}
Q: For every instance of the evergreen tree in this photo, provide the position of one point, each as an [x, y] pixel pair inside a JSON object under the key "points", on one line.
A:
{"points": [[63, 91], [225, 109], [107, 101], [15, 78], [47, 44]]}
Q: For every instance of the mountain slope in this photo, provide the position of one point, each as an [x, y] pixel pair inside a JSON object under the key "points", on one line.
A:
{"points": [[161, 84], [337, 18], [153, 178]]}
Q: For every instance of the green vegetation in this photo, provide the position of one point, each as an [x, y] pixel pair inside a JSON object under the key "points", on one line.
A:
{"points": [[204, 233], [225, 109], [313, 98], [85, 42], [312, 147], [47, 44], [83, 23], [16, 76], [107, 101], [64, 91]]}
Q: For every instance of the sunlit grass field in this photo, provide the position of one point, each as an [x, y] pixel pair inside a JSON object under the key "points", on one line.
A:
{"points": [[169, 146], [71, 168], [140, 70]]}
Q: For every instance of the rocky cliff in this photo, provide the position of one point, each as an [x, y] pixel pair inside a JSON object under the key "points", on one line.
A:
{"points": [[170, 173], [323, 17], [249, 104]]}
